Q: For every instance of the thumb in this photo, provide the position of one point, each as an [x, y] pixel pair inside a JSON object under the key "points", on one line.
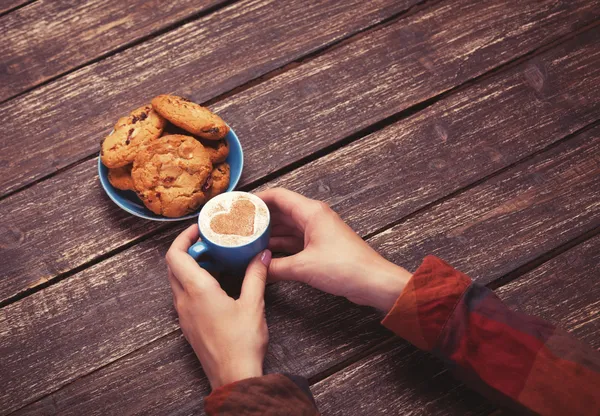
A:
{"points": [[253, 287]]}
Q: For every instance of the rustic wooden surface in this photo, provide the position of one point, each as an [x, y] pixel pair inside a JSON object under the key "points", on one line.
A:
{"points": [[472, 134], [79, 33], [54, 142], [464, 129], [289, 97], [543, 203]]}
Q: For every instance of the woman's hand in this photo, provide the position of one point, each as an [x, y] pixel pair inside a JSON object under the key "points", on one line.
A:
{"points": [[229, 336], [327, 253]]}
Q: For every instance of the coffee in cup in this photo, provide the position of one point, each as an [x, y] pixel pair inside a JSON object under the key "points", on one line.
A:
{"points": [[234, 219], [234, 227]]}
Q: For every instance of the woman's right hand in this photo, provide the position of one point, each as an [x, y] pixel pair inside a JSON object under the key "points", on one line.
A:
{"points": [[327, 254]]}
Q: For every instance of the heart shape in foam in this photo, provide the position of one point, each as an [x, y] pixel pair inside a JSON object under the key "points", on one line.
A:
{"points": [[238, 221]]}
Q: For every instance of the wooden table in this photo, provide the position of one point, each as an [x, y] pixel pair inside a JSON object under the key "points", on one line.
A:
{"points": [[467, 129]]}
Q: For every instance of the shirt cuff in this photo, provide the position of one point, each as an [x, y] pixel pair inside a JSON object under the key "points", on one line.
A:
{"points": [[426, 303], [273, 394]]}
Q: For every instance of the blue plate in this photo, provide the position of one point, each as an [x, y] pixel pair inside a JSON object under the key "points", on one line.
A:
{"points": [[129, 201]]}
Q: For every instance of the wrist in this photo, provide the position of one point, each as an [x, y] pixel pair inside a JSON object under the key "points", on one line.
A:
{"points": [[231, 375], [388, 282]]}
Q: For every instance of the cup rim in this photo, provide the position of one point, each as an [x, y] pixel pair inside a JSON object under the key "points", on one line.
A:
{"points": [[206, 239]]}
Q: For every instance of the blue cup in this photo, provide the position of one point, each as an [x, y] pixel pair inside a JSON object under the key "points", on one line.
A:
{"points": [[230, 258]]}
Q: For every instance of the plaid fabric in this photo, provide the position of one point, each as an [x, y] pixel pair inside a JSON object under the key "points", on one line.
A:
{"points": [[270, 395], [516, 360]]}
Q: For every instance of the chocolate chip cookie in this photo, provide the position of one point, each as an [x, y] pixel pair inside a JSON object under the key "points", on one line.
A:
{"points": [[120, 178], [220, 177], [131, 133], [169, 175], [218, 150], [190, 116]]}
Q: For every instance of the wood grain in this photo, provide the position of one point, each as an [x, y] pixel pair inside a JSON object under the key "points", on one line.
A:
{"points": [[151, 391], [402, 380], [510, 219], [398, 379], [399, 66], [59, 219], [61, 122], [53, 37], [540, 204], [477, 131]]}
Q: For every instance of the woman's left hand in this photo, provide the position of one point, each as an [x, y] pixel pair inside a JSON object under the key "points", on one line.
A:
{"points": [[229, 336]]}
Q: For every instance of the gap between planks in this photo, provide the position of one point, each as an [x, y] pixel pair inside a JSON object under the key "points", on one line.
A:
{"points": [[482, 180], [335, 146], [17, 7], [412, 10]]}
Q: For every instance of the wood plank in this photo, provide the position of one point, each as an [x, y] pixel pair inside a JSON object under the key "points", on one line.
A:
{"points": [[383, 166], [61, 122], [127, 294], [296, 337], [53, 37], [339, 94], [400, 379]]}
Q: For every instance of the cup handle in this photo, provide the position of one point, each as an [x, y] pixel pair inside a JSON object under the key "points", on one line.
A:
{"points": [[197, 250]]}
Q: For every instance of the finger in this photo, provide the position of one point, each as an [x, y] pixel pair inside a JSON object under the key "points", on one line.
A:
{"points": [[176, 287], [284, 230], [180, 262], [187, 237], [253, 287], [297, 207], [279, 218], [184, 268], [285, 268], [286, 244]]}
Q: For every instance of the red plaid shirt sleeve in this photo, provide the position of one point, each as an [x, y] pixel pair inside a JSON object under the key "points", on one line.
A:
{"points": [[270, 395], [518, 361]]}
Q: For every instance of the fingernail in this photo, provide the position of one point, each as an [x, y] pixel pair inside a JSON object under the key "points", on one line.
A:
{"points": [[265, 257]]}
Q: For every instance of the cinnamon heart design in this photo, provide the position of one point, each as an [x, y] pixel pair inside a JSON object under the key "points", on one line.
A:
{"points": [[238, 221]]}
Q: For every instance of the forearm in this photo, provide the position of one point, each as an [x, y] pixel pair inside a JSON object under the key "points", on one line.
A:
{"points": [[514, 359]]}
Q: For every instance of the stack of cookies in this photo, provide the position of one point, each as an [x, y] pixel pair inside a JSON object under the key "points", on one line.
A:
{"points": [[171, 153]]}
